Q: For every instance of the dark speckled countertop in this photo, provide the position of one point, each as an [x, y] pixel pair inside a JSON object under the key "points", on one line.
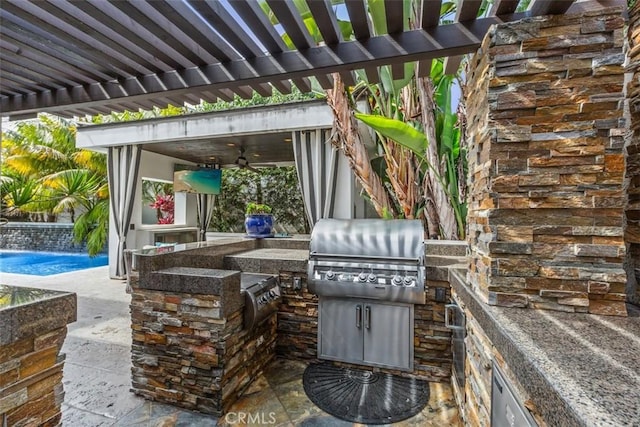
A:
{"points": [[29, 312], [579, 369], [269, 260]]}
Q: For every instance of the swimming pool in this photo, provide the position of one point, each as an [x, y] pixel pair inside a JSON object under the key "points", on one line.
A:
{"points": [[47, 263]]}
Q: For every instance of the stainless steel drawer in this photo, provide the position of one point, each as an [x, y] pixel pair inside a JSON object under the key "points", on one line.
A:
{"points": [[455, 320], [506, 409]]}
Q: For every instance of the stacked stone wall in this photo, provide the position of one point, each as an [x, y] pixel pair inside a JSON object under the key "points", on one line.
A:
{"points": [[31, 391], [33, 236], [33, 326], [545, 102], [632, 235], [189, 352], [297, 319], [474, 400]]}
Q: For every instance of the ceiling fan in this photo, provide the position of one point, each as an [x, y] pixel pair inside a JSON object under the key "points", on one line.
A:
{"points": [[243, 163]]}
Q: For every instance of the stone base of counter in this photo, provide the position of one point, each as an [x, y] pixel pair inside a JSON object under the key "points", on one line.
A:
{"points": [[297, 319], [31, 337], [31, 391], [474, 400], [189, 352]]}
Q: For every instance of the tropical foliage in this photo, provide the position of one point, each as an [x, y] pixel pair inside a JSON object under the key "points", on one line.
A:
{"points": [[203, 107], [417, 168], [45, 176], [275, 187]]}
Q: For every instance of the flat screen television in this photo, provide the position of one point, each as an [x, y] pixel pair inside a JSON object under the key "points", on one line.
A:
{"points": [[193, 179]]}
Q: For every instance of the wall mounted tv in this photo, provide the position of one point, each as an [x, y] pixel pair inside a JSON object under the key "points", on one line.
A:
{"points": [[193, 179]]}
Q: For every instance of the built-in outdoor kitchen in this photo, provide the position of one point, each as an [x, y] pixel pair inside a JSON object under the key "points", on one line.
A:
{"points": [[531, 320], [208, 317]]}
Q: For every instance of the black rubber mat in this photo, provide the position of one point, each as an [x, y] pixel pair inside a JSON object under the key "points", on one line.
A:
{"points": [[363, 396]]}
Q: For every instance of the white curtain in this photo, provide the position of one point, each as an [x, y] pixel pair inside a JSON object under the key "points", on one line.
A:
{"points": [[317, 167], [205, 211], [123, 164]]}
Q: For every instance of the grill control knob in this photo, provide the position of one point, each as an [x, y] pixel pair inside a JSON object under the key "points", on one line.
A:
{"points": [[362, 277], [396, 280], [273, 294], [330, 275], [372, 278], [263, 299], [408, 280]]}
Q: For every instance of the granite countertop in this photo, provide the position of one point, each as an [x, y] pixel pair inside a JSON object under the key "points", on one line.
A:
{"points": [[275, 253], [30, 311], [14, 296], [150, 251], [272, 243], [197, 272], [269, 260], [579, 369]]}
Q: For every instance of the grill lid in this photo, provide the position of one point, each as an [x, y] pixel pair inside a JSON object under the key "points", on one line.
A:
{"points": [[368, 238]]}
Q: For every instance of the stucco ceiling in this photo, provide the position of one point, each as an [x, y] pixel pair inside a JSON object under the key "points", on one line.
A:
{"points": [[259, 150]]}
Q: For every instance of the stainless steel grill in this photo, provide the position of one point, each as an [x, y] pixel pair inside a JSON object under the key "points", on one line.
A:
{"points": [[261, 297], [368, 258]]}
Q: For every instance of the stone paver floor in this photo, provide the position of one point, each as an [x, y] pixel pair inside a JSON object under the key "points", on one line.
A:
{"points": [[97, 372]]}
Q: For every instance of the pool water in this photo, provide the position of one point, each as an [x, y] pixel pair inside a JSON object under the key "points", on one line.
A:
{"points": [[46, 263]]}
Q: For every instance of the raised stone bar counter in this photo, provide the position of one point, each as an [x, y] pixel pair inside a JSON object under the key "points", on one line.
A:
{"points": [[33, 328], [189, 346], [186, 303], [570, 369]]}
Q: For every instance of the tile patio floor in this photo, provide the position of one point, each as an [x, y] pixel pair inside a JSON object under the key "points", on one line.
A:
{"points": [[97, 372]]}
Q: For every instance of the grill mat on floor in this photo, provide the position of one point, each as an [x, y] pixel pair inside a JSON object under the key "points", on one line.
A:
{"points": [[364, 396]]}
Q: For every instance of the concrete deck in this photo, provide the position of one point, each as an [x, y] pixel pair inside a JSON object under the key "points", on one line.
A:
{"points": [[98, 363]]}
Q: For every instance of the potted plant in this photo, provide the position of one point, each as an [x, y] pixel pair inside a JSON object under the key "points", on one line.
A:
{"points": [[258, 220]]}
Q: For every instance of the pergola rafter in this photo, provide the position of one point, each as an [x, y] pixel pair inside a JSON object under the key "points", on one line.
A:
{"points": [[85, 56]]}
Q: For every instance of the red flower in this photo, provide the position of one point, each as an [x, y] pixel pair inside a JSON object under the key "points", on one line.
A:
{"points": [[165, 205]]}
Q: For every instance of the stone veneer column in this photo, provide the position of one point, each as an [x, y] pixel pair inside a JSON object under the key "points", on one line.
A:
{"points": [[632, 235], [33, 326], [546, 164], [189, 347]]}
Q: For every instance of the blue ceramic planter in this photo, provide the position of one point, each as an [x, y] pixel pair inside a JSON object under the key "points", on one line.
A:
{"points": [[259, 225]]}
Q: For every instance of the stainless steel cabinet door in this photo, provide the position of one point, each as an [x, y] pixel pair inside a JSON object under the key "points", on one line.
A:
{"points": [[388, 335], [340, 329]]}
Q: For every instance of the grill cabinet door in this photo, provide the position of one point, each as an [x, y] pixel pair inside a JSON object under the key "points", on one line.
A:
{"points": [[388, 335], [340, 329]]}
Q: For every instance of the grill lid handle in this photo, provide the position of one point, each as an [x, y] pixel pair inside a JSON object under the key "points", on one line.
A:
{"points": [[364, 257]]}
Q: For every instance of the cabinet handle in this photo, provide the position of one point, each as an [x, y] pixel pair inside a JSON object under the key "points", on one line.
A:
{"points": [[450, 320], [367, 317], [358, 316]]}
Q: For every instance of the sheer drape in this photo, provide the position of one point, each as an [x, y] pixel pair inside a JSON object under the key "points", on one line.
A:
{"points": [[205, 211], [317, 165], [123, 165]]}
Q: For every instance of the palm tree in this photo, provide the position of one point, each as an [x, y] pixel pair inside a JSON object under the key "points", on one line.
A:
{"points": [[44, 175]]}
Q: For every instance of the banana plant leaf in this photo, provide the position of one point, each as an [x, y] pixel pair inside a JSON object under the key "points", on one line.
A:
{"points": [[394, 86], [377, 12], [396, 130]]}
